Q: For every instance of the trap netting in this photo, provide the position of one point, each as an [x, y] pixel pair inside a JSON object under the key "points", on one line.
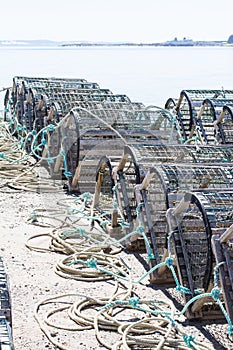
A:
{"points": [[199, 217]]}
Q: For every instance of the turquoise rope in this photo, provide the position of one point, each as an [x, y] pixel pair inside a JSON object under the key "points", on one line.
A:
{"points": [[134, 303]]}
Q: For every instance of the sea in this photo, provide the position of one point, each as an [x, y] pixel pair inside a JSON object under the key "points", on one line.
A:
{"points": [[145, 74]]}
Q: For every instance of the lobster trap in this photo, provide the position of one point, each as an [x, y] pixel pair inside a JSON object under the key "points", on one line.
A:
{"points": [[196, 111], [84, 136], [202, 216]]}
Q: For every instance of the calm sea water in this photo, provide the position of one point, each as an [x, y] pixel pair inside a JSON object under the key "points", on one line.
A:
{"points": [[149, 75]]}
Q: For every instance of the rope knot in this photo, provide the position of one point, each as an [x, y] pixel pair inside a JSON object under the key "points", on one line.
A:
{"points": [[150, 257], [169, 262], [215, 292], [134, 302], [140, 229], [50, 127], [92, 263], [81, 231], [62, 153], [188, 339], [86, 195]]}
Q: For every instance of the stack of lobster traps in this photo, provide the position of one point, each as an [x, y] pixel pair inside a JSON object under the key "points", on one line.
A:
{"points": [[151, 181], [162, 177], [204, 115], [87, 121]]}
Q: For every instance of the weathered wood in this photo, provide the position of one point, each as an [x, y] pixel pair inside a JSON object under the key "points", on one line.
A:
{"points": [[228, 234], [225, 273], [76, 175], [198, 304]]}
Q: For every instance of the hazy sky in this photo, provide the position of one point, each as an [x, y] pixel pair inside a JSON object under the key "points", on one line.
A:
{"points": [[116, 20]]}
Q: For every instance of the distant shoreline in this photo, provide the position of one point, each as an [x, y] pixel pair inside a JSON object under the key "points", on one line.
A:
{"points": [[148, 44], [48, 43]]}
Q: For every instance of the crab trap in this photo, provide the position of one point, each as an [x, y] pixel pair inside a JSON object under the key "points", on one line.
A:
{"points": [[201, 217], [195, 112]]}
